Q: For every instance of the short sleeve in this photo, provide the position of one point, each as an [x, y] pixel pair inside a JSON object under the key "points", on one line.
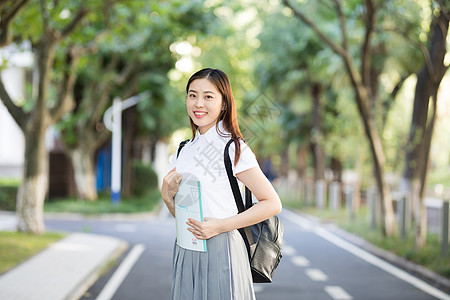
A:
{"points": [[174, 158], [247, 159], [172, 162]]}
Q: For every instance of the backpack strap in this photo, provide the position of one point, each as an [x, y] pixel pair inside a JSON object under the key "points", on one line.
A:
{"points": [[234, 184], [182, 144], [246, 232]]}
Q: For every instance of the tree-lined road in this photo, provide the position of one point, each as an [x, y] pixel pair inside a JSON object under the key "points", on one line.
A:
{"points": [[316, 264]]}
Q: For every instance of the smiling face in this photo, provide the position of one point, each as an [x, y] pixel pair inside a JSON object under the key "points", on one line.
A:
{"points": [[204, 104]]}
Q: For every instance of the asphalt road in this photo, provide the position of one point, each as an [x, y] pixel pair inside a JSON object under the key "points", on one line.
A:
{"points": [[316, 264]]}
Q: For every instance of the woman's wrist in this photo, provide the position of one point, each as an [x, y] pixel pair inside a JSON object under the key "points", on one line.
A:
{"points": [[225, 225], [168, 200]]}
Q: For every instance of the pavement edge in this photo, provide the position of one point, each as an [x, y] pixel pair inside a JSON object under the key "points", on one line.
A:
{"points": [[84, 286]]}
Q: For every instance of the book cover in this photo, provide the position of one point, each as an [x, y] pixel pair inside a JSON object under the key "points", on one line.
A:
{"points": [[188, 204]]}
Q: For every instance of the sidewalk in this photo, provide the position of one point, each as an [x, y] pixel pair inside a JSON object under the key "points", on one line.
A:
{"points": [[8, 220], [64, 271]]}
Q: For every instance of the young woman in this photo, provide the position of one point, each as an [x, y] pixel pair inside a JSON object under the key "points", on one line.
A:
{"points": [[223, 271]]}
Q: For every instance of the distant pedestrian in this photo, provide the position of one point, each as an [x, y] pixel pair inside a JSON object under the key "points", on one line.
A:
{"points": [[266, 167], [222, 272]]}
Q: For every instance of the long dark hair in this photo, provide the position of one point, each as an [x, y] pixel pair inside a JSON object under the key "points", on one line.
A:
{"points": [[228, 114]]}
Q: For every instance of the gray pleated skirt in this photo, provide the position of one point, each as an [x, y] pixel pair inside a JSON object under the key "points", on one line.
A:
{"points": [[221, 273]]}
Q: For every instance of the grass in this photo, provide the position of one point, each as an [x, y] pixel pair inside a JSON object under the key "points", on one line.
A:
{"points": [[104, 205], [9, 182], [429, 257], [439, 177], [16, 247]]}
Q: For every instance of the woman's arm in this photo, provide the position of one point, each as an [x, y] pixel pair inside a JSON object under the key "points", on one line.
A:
{"points": [[169, 189], [268, 205]]}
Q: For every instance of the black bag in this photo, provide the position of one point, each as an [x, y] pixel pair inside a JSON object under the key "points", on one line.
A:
{"points": [[263, 240]]}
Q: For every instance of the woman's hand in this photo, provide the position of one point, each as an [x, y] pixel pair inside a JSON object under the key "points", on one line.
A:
{"points": [[206, 229], [170, 188]]}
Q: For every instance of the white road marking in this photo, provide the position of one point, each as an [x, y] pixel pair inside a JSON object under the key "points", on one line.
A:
{"points": [[337, 293], [316, 275], [372, 259], [300, 261], [125, 228], [305, 224], [288, 250], [121, 273]]}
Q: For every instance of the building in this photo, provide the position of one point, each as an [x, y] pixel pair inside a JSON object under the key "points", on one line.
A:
{"points": [[12, 145]]}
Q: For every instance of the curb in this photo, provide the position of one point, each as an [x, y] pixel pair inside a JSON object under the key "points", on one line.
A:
{"points": [[84, 286], [105, 217], [63, 271], [100, 217]]}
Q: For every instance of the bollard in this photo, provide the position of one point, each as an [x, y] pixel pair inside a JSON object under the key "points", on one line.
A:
{"points": [[300, 191], [320, 194], [444, 229], [309, 192], [403, 210], [349, 202], [335, 196], [371, 207]]}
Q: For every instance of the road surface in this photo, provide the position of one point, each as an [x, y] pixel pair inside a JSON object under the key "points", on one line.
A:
{"points": [[316, 264]]}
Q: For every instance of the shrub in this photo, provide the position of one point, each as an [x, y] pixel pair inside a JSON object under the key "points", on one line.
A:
{"points": [[8, 195], [145, 179]]}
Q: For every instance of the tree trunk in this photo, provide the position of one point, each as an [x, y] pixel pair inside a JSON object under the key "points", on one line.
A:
{"points": [[84, 171], [378, 159], [284, 163], [129, 134], [153, 141], [421, 130], [316, 134], [302, 161], [34, 124], [336, 169], [34, 185]]}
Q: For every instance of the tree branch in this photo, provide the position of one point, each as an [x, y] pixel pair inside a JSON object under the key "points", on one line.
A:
{"points": [[123, 78], [127, 72], [366, 49], [336, 48], [390, 99], [65, 94], [342, 24], [7, 18], [132, 86], [16, 112], [3, 3], [101, 101], [355, 77], [113, 62], [44, 14], [82, 12], [102, 135], [444, 9]]}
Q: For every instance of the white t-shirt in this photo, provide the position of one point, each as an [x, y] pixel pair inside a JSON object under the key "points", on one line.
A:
{"points": [[202, 159]]}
